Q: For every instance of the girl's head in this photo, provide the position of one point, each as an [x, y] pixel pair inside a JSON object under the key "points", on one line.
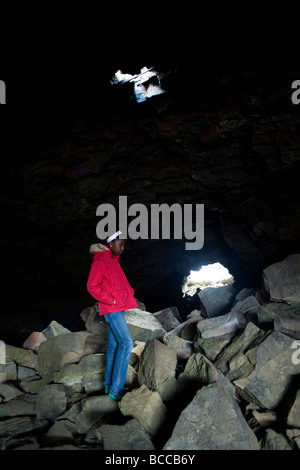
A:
{"points": [[116, 244]]}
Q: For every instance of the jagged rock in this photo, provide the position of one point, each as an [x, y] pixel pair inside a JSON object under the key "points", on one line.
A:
{"points": [[130, 436], [34, 383], [282, 280], [251, 336], [94, 322], [189, 331], [212, 347], [276, 441], [22, 357], [242, 365], [21, 425], [146, 406], [51, 401], [9, 391], [68, 348], [168, 317], [293, 419], [34, 340], [61, 433], [136, 352], [72, 413], [198, 371], [186, 330], [143, 326], [288, 326], [250, 309], [54, 329], [182, 347], [280, 310], [22, 443], [93, 410], [8, 371], [25, 372], [131, 378], [157, 369], [265, 418], [21, 405], [77, 373], [212, 421], [268, 384], [216, 301], [294, 435], [218, 326]]}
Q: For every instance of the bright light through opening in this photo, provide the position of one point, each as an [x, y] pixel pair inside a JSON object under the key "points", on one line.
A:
{"points": [[146, 84], [212, 275]]}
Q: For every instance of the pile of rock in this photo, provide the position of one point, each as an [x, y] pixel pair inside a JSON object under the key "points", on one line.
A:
{"points": [[219, 380]]}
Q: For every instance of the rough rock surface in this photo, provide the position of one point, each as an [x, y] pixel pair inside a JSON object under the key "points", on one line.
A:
{"points": [[187, 389], [212, 421]]}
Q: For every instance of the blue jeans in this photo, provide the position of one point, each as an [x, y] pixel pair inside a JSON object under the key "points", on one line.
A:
{"points": [[119, 347]]}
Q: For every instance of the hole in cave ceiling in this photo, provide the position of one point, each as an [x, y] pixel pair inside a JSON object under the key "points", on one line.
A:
{"points": [[146, 84]]}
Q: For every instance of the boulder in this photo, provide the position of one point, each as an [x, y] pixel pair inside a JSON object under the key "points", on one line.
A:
{"points": [[218, 326], [268, 384], [34, 340], [22, 357], [157, 369], [61, 433], [88, 366], [9, 391], [212, 421], [182, 347], [20, 406], [216, 301], [273, 440], [95, 323], [51, 401], [293, 419], [136, 352], [282, 280], [8, 371], [68, 348], [130, 436], [212, 347], [94, 409], [147, 407], [54, 329], [198, 371], [248, 339], [168, 317], [21, 425], [143, 325], [288, 326]]}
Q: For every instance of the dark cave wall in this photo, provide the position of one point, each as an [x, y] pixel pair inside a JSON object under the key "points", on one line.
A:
{"points": [[230, 143]]}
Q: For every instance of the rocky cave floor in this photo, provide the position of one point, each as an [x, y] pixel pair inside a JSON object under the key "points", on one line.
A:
{"points": [[225, 378]]}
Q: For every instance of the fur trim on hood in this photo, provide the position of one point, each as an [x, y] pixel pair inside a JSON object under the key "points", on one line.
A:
{"points": [[97, 247]]}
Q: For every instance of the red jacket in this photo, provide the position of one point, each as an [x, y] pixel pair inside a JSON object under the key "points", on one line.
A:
{"points": [[107, 282]]}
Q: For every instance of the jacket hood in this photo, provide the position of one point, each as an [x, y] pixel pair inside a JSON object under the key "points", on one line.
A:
{"points": [[98, 248]]}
